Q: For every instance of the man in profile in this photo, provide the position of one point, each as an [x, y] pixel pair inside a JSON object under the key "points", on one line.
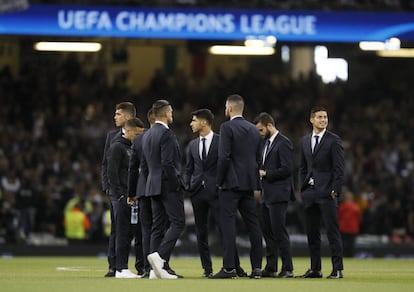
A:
{"points": [[123, 112], [201, 171], [162, 169]]}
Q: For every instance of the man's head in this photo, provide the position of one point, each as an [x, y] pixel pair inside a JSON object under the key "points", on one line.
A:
{"points": [[265, 124], [201, 120], [234, 105], [123, 112], [133, 127], [319, 118], [163, 111]]}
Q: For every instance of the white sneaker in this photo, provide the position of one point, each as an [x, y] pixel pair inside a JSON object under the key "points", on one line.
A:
{"points": [[165, 275], [152, 275], [156, 262], [125, 274]]}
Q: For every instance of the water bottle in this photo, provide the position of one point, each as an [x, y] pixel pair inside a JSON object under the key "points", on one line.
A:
{"points": [[134, 213]]}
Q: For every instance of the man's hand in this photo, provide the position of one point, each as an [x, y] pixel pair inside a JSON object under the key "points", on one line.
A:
{"points": [[131, 201], [262, 172], [334, 194], [257, 195]]}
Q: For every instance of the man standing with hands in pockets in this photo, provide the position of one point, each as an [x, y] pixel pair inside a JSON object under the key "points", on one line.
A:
{"points": [[321, 177]]}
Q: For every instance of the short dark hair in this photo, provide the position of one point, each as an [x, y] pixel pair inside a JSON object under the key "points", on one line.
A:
{"points": [[127, 107], [159, 106], [134, 123], [318, 108], [264, 118], [204, 114]]}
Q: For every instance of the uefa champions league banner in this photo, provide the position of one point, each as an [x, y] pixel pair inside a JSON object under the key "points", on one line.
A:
{"points": [[214, 24]]}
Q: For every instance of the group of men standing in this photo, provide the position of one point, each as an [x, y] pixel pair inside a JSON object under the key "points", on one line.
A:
{"points": [[247, 168]]}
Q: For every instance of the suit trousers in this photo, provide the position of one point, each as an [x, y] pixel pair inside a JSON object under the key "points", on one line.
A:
{"points": [[168, 207], [244, 201], [326, 210], [203, 206], [145, 218], [111, 244], [276, 236], [122, 237], [139, 255]]}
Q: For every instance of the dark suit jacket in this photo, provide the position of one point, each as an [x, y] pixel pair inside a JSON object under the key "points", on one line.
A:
{"points": [[325, 165], [239, 156], [109, 138], [136, 182], [202, 174], [278, 182], [162, 161]]}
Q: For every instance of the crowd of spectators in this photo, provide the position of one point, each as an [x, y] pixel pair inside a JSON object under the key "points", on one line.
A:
{"points": [[54, 116]]}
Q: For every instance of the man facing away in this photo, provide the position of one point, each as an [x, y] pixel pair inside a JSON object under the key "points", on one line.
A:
{"points": [[123, 112], [321, 176], [277, 191], [239, 157], [162, 169]]}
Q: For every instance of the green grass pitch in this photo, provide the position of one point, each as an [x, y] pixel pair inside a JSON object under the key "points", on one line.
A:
{"points": [[80, 274]]}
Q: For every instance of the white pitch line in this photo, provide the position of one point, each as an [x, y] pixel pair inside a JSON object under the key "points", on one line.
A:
{"points": [[77, 269]]}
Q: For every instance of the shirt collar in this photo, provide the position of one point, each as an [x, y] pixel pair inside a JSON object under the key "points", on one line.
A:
{"points": [[320, 134], [208, 137], [236, 116], [273, 137], [162, 123]]}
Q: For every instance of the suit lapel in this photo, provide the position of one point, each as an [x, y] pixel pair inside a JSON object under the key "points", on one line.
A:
{"points": [[320, 144], [195, 149], [308, 145]]}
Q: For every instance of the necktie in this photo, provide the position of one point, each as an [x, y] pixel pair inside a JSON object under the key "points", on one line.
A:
{"points": [[203, 149], [266, 149], [316, 142]]}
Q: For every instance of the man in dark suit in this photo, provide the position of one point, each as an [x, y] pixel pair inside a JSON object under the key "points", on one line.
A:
{"points": [[277, 191], [321, 177], [162, 169], [123, 112], [201, 170], [118, 163], [238, 178], [136, 194]]}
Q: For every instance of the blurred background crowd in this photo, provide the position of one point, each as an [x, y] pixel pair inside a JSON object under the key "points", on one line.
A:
{"points": [[54, 118]]}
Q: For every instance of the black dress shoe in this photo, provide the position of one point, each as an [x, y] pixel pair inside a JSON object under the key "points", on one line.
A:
{"points": [[171, 271], [285, 274], [224, 274], [256, 274], [335, 275], [311, 274], [240, 272], [268, 274], [110, 273], [143, 275], [207, 274]]}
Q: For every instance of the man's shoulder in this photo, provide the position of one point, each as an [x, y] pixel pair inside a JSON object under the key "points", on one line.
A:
{"points": [[331, 134]]}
